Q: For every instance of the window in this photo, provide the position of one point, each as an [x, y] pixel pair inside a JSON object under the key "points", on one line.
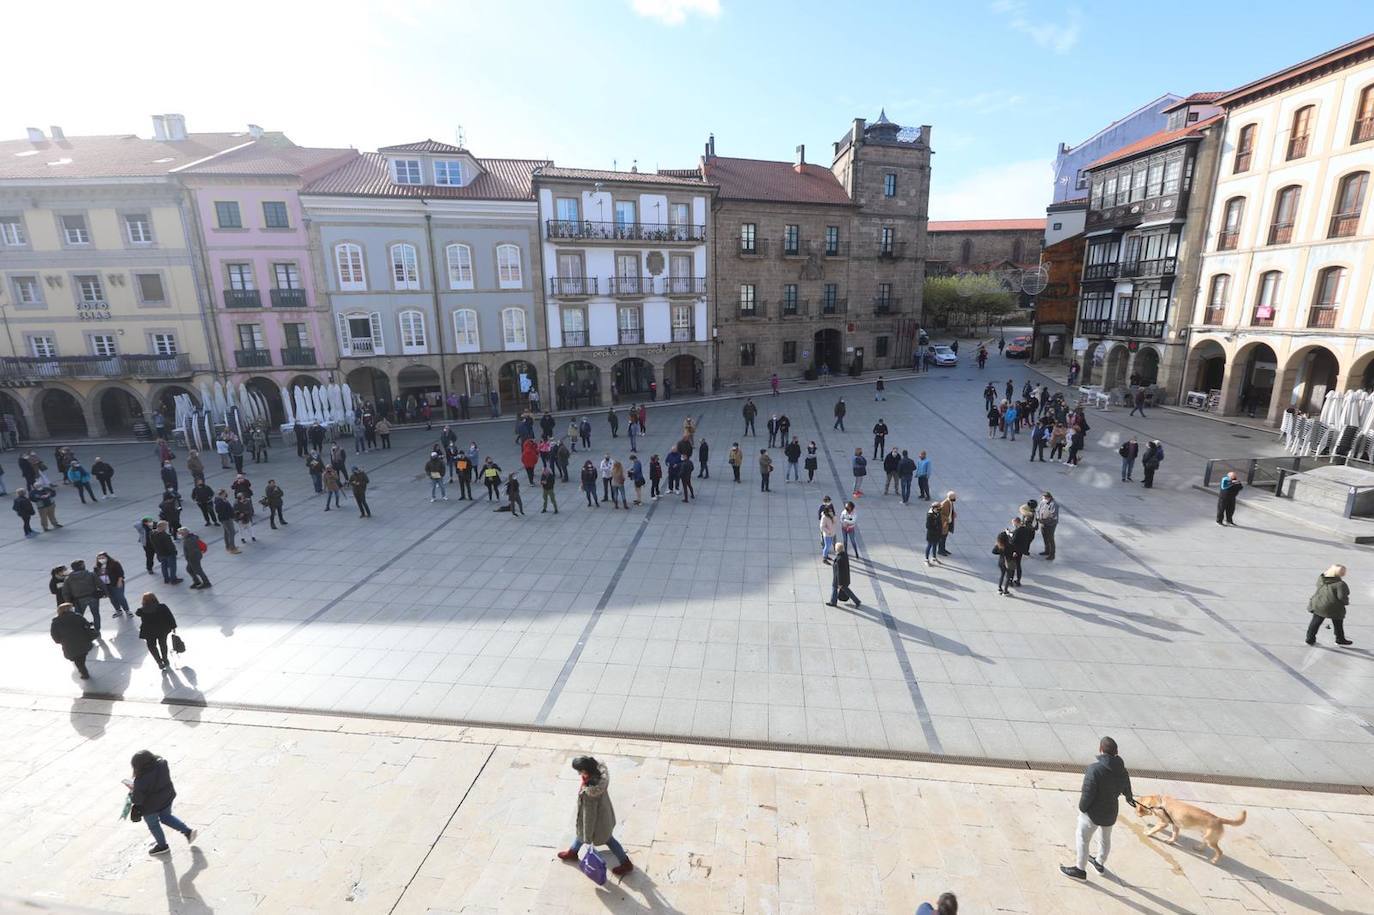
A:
{"points": [[297, 335], [791, 239], [90, 288], [103, 345], [680, 266], [1082, 180], [1173, 171], [1123, 188], [748, 237], [250, 336], [1216, 299], [360, 334], [566, 208], [1230, 224], [12, 232], [1345, 221], [27, 291], [448, 172], [683, 330], [789, 352], [513, 328], [240, 277], [890, 185], [880, 346], [74, 231], [1245, 149], [407, 171], [227, 215], [746, 354], [465, 330], [630, 322], [348, 258], [1326, 298], [163, 344], [1154, 180], [574, 327], [459, 266], [286, 276], [966, 251], [1138, 180], [1285, 213], [274, 215], [789, 298], [138, 229], [405, 267], [748, 304], [679, 218], [1099, 187], [884, 300], [1364, 117], [831, 302], [1300, 132], [1058, 226], [625, 214], [412, 332], [888, 239], [1267, 298], [150, 290], [42, 346], [832, 240], [508, 274]]}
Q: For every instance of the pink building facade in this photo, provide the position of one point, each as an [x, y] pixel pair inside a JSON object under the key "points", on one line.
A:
{"points": [[269, 323]]}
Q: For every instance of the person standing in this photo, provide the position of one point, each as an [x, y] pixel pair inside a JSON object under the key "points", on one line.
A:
{"points": [[1006, 552], [1154, 456], [358, 480], [673, 464], [1040, 440], [302, 443], [44, 498], [1022, 536], [614, 421], [994, 420], [589, 482], [80, 477], [1103, 782], [333, 487], [1226, 498], [765, 469], [703, 452], [1128, 451], [1328, 603], [1010, 421], [849, 529], [384, 430], [224, 511], [165, 549], [529, 458], [1076, 438], [879, 391], [157, 622], [547, 481], [892, 481], [840, 581], [618, 499], [462, 466], [103, 471], [684, 479], [839, 414], [636, 472], [775, 383], [859, 465], [792, 451], [643, 419], [111, 576], [243, 518], [604, 469], [811, 462], [784, 428], [1138, 403], [735, 459], [236, 452], [274, 498], [435, 470], [517, 505], [192, 552], [584, 429], [934, 527], [750, 411], [773, 430], [879, 438], [315, 467], [595, 815], [923, 475], [562, 456], [826, 524], [946, 904], [204, 496], [1047, 519], [632, 428], [1059, 434], [906, 469], [151, 790], [947, 518], [82, 588], [76, 636], [23, 507]]}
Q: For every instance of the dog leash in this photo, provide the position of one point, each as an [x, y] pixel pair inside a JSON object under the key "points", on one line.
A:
{"points": [[1162, 813]]}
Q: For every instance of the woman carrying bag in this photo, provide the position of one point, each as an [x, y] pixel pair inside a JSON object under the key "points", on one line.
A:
{"points": [[595, 816], [157, 623]]}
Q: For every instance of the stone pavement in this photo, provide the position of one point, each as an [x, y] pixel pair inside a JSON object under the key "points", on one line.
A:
{"points": [[706, 621], [322, 814]]}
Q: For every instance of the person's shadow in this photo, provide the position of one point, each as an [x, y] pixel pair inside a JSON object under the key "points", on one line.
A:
{"points": [[619, 897], [182, 896], [181, 697]]}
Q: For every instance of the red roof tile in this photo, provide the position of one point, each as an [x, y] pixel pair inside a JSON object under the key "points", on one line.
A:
{"points": [[425, 146], [1197, 98], [595, 174], [368, 176], [125, 156], [766, 180], [1154, 141], [266, 159], [986, 225]]}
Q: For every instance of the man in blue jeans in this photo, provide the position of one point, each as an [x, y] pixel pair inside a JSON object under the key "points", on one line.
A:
{"points": [[165, 549], [151, 790]]}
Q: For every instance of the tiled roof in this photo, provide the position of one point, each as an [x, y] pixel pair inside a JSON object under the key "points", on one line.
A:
{"points": [[1197, 98], [125, 156], [681, 172], [766, 180], [594, 174], [271, 159], [368, 176], [425, 146], [986, 225], [1154, 141], [1346, 54]]}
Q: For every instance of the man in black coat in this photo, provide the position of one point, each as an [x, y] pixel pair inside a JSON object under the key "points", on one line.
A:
{"points": [[879, 438], [191, 553], [1103, 782], [839, 578], [1022, 536], [70, 630], [302, 443], [703, 452], [165, 549], [684, 479]]}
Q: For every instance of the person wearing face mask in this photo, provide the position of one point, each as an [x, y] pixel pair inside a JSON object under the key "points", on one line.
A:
{"points": [[111, 575]]}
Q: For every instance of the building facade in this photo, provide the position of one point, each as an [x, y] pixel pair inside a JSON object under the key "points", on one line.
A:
{"points": [[819, 266], [982, 245], [1071, 161], [626, 290], [100, 291], [270, 322], [1286, 302], [1144, 231], [430, 259]]}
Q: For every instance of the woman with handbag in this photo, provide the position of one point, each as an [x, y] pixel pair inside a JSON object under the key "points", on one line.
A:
{"points": [[1006, 563], [595, 816], [111, 575], [157, 623], [151, 793]]}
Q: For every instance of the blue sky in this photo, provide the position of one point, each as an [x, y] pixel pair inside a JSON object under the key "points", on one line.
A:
{"points": [[598, 82]]}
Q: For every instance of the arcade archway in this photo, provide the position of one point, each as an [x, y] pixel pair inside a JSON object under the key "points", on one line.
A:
{"points": [[514, 382], [686, 374], [62, 414], [578, 385], [631, 379]]}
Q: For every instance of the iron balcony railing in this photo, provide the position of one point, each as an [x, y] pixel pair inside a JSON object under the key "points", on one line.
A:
{"points": [[1259, 320], [794, 308], [831, 307], [1297, 147], [1280, 233], [1101, 271], [837, 249], [793, 247], [756, 247], [1151, 329], [252, 358], [684, 285], [298, 355], [1159, 266], [684, 334], [1095, 327], [886, 305], [1227, 241], [242, 298], [574, 338], [288, 298], [755, 309], [1364, 130], [27, 368], [1344, 225], [572, 286], [1214, 315], [631, 335], [631, 285], [892, 250], [362, 346], [1321, 316], [656, 232]]}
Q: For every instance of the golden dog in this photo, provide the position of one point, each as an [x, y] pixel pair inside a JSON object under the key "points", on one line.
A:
{"points": [[1172, 812]]}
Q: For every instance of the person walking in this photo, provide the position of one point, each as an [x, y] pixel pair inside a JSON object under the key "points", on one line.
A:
{"points": [[589, 476], [435, 470], [947, 518], [1328, 603], [224, 511], [595, 817], [1047, 520], [765, 469], [23, 507], [775, 383], [750, 411], [103, 471], [44, 498], [80, 477], [547, 481], [906, 469], [562, 456], [839, 414], [517, 505], [934, 527], [1226, 498], [684, 479], [165, 549], [859, 466], [827, 524], [1153, 457], [879, 438], [243, 518], [892, 481], [811, 463], [614, 421], [333, 487], [76, 636], [358, 481], [157, 622], [1103, 782], [111, 576], [151, 790], [1128, 451], [1040, 440], [735, 459], [1138, 403], [1076, 438], [840, 581], [1006, 559], [849, 529], [274, 498], [792, 451], [192, 552]]}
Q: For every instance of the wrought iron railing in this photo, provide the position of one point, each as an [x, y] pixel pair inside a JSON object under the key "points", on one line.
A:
{"points": [[658, 232]]}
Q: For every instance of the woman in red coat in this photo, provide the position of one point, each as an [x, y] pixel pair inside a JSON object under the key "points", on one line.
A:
{"points": [[529, 456]]}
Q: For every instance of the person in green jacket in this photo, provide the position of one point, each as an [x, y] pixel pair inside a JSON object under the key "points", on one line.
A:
{"points": [[1329, 603], [595, 815]]}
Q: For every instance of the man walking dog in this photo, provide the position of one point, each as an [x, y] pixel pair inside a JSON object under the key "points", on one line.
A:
{"points": [[1103, 782]]}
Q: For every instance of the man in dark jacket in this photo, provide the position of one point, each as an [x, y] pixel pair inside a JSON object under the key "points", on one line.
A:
{"points": [[906, 469], [1154, 456], [750, 411], [302, 443], [892, 461], [191, 553], [70, 630], [204, 497], [358, 480], [703, 452], [839, 414], [152, 792], [793, 452], [879, 438], [1103, 782], [103, 471], [1022, 536], [1226, 497], [614, 422], [839, 578], [224, 511], [684, 479], [25, 510], [169, 509], [82, 588], [165, 549]]}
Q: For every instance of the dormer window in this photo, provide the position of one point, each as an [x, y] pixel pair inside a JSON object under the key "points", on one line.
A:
{"points": [[448, 172], [407, 171]]}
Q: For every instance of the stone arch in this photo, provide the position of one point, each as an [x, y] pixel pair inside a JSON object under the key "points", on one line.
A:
{"points": [[1360, 377], [472, 379], [685, 373], [632, 378], [117, 409], [270, 391], [1205, 369], [1307, 375], [419, 381], [303, 381], [1250, 388], [14, 407], [1114, 373], [512, 398], [371, 384], [63, 413], [161, 399], [577, 384], [1145, 364], [1092, 358]]}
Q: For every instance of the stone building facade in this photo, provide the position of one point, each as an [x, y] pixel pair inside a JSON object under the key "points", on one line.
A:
{"points": [[982, 245]]}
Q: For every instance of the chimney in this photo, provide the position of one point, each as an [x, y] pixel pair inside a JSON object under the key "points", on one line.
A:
{"points": [[255, 131], [176, 127], [159, 127], [35, 135], [57, 133], [634, 167], [857, 134], [801, 157], [711, 146]]}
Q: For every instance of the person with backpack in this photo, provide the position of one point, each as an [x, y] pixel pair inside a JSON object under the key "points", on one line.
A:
{"points": [[1128, 451], [595, 815], [192, 551], [1154, 456]]}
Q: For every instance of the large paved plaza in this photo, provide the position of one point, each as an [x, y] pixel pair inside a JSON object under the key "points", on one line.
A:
{"points": [[1181, 639]]}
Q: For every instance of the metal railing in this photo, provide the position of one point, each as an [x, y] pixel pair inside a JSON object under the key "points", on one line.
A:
{"points": [[574, 338], [794, 247], [298, 355], [1101, 271], [1297, 147], [1257, 321], [1280, 233], [892, 250], [630, 285], [288, 298], [571, 286], [838, 249], [631, 335], [1214, 315], [1227, 241], [657, 232], [886, 305], [1364, 130], [831, 307], [31, 368], [1321, 316], [793, 308], [1095, 327], [755, 309], [252, 358], [684, 285], [684, 334], [1270, 473], [1159, 266], [1152, 329], [242, 298], [757, 248], [1344, 225]]}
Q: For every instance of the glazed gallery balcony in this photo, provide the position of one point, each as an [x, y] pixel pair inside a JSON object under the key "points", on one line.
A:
{"points": [[658, 233], [38, 368]]}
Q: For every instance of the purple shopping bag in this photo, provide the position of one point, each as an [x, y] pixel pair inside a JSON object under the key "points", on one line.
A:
{"points": [[594, 866]]}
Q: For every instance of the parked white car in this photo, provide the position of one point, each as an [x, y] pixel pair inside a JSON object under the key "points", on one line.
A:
{"points": [[945, 356]]}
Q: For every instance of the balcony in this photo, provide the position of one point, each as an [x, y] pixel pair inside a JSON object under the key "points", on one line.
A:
{"points": [[1280, 233], [794, 308], [242, 298], [684, 285], [837, 249], [253, 358], [298, 355], [757, 247], [1227, 241], [1364, 130], [748, 310], [288, 298], [653, 232], [1297, 147], [1151, 329], [831, 307], [631, 335], [1214, 315], [891, 251], [572, 287], [31, 368], [1095, 327], [886, 305], [1265, 319], [361, 346], [1343, 225], [684, 334], [1101, 271], [574, 338], [1160, 266], [631, 286], [1321, 316], [793, 247]]}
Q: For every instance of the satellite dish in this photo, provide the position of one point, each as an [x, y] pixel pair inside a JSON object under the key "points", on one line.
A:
{"points": [[1033, 282]]}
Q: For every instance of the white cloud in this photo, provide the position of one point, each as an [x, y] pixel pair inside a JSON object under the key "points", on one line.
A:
{"points": [[1057, 36], [675, 12], [1016, 190]]}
